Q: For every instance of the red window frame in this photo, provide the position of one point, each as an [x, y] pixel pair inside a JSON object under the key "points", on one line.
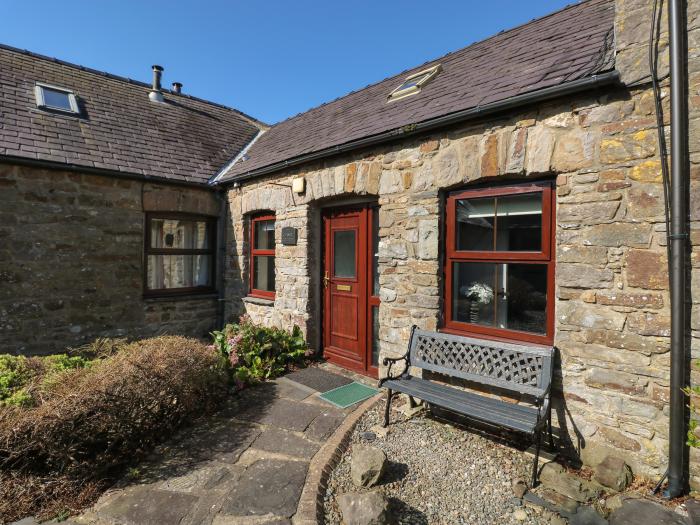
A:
{"points": [[255, 252], [544, 257]]}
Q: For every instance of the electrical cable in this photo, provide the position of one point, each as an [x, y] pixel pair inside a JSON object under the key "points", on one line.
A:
{"points": [[654, 33]]}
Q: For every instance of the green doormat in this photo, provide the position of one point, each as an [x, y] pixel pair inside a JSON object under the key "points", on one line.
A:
{"points": [[347, 395]]}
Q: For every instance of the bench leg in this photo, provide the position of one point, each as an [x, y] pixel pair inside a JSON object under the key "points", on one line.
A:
{"points": [[549, 429], [388, 407], [536, 464], [411, 402]]}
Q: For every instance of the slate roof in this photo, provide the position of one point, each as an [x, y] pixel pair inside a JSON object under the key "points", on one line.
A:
{"points": [[186, 139], [570, 44]]}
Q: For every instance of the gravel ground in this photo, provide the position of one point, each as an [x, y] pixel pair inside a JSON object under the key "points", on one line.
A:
{"points": [[440, 474]]}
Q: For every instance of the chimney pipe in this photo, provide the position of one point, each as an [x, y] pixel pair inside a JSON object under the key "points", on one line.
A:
{"points": [[155, 95], [177, 87]]}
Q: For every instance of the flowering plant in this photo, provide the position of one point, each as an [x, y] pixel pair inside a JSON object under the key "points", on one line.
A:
{"points": [[480, 292], [253, 352]]}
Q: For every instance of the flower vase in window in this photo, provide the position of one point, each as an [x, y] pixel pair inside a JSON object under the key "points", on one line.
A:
{"points": [[478, 294]]}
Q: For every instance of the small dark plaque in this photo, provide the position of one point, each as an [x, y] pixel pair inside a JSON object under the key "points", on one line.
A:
{"points": [[289, 236]]}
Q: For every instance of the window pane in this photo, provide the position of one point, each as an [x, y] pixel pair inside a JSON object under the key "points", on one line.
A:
{"points": [[179, 234], [264, 235], [475, 224], [264, 273], [510, 296], [178, 271], [473, 286], [375, 336], [526, 297], [375, 252], [344, 253], [519, 223], [56, 99]]}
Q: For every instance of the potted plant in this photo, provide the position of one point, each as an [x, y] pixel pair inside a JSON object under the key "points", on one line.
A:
{"points": [[478, 294]]}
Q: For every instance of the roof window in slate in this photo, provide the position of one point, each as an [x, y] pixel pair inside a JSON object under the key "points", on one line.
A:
{"points": [[414, 83], [55, 99]]}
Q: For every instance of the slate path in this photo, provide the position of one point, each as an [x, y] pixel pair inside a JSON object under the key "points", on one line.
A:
{"points": [[245, 466]]}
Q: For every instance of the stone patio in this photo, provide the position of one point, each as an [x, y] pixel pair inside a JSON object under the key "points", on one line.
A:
{"points": [[247, 465]]}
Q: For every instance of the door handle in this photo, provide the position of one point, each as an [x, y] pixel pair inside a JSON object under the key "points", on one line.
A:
{"points": [[326, 280]]}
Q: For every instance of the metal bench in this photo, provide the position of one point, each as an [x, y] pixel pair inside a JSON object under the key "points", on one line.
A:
{"points": [[509, 368]]}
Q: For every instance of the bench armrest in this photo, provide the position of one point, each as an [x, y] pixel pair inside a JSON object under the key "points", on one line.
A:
{"points": [[544, 397], [392, 360], [542, 403], [389, 362]]}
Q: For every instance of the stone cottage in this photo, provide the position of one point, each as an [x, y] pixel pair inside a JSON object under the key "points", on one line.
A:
{"points": [[510, 190]]}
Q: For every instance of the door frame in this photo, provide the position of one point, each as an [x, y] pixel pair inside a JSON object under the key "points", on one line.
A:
{"points": [[371, 301]]}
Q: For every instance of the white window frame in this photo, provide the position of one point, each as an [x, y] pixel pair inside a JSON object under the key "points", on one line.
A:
{"points": [[401, 92], [41, 101]]}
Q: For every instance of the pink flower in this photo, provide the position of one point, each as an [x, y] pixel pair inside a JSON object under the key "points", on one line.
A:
{"points": [[233, 358]]}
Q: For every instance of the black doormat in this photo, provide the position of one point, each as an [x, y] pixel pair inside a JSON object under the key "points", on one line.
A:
{"points": [[318, 379]]}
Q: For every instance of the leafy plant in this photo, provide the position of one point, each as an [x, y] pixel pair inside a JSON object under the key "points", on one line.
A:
{"points": [[23, 379], [693, 393], [15, 374], [254, 352]]}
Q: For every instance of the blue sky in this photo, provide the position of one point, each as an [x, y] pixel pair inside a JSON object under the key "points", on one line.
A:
{"points": [[271, 59]]}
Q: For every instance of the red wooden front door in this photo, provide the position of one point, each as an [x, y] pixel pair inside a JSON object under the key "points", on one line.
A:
{"points": [[347, 336]]}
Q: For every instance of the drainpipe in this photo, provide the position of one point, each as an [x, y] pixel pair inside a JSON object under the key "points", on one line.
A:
{"points": [[678, 239], [221, 258]]}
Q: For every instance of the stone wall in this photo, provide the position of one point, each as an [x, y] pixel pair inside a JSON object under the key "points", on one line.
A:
{"points": [[612, 292], [71, 256]]}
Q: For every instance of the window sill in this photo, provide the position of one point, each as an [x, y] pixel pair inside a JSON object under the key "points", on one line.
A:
{"points": [[258, 300], [526, 339], [181, 296]]}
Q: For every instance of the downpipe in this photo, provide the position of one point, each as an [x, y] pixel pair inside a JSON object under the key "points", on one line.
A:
{"points": [[222, 225], [678, 239]]}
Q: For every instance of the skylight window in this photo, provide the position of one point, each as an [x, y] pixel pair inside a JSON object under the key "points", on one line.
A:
{"points": [[55, 99], [414, 83]]}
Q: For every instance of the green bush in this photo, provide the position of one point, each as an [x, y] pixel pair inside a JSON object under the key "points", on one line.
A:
{"points": [[255, 352], [15, 375], [23, 380]]}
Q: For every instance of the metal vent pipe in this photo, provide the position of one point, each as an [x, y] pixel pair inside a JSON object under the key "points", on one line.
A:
{"points": [[156, 95]]}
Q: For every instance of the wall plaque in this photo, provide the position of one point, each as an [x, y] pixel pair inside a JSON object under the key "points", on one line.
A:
{"points": [[289, 236]]}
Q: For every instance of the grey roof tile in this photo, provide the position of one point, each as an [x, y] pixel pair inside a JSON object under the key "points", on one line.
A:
{"points": [[573, 43], [119, 128]]}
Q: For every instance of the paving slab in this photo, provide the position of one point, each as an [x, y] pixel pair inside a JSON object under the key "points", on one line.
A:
{"points": [[267, 487], [282, 413], [149, 507], [219, 439], [285, 442], [206, 477], [324, 425]]}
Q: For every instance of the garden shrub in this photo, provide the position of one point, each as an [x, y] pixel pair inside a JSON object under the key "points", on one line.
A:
{"points": [[98, 418], [24, 379], [693, 393], [255, 352]]}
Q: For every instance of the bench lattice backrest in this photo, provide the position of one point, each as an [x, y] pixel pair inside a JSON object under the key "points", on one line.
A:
{"points": [[525, 369]]}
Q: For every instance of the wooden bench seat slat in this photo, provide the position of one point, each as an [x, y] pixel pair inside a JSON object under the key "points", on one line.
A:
{"points": [[478, 407], [454, 392]]}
